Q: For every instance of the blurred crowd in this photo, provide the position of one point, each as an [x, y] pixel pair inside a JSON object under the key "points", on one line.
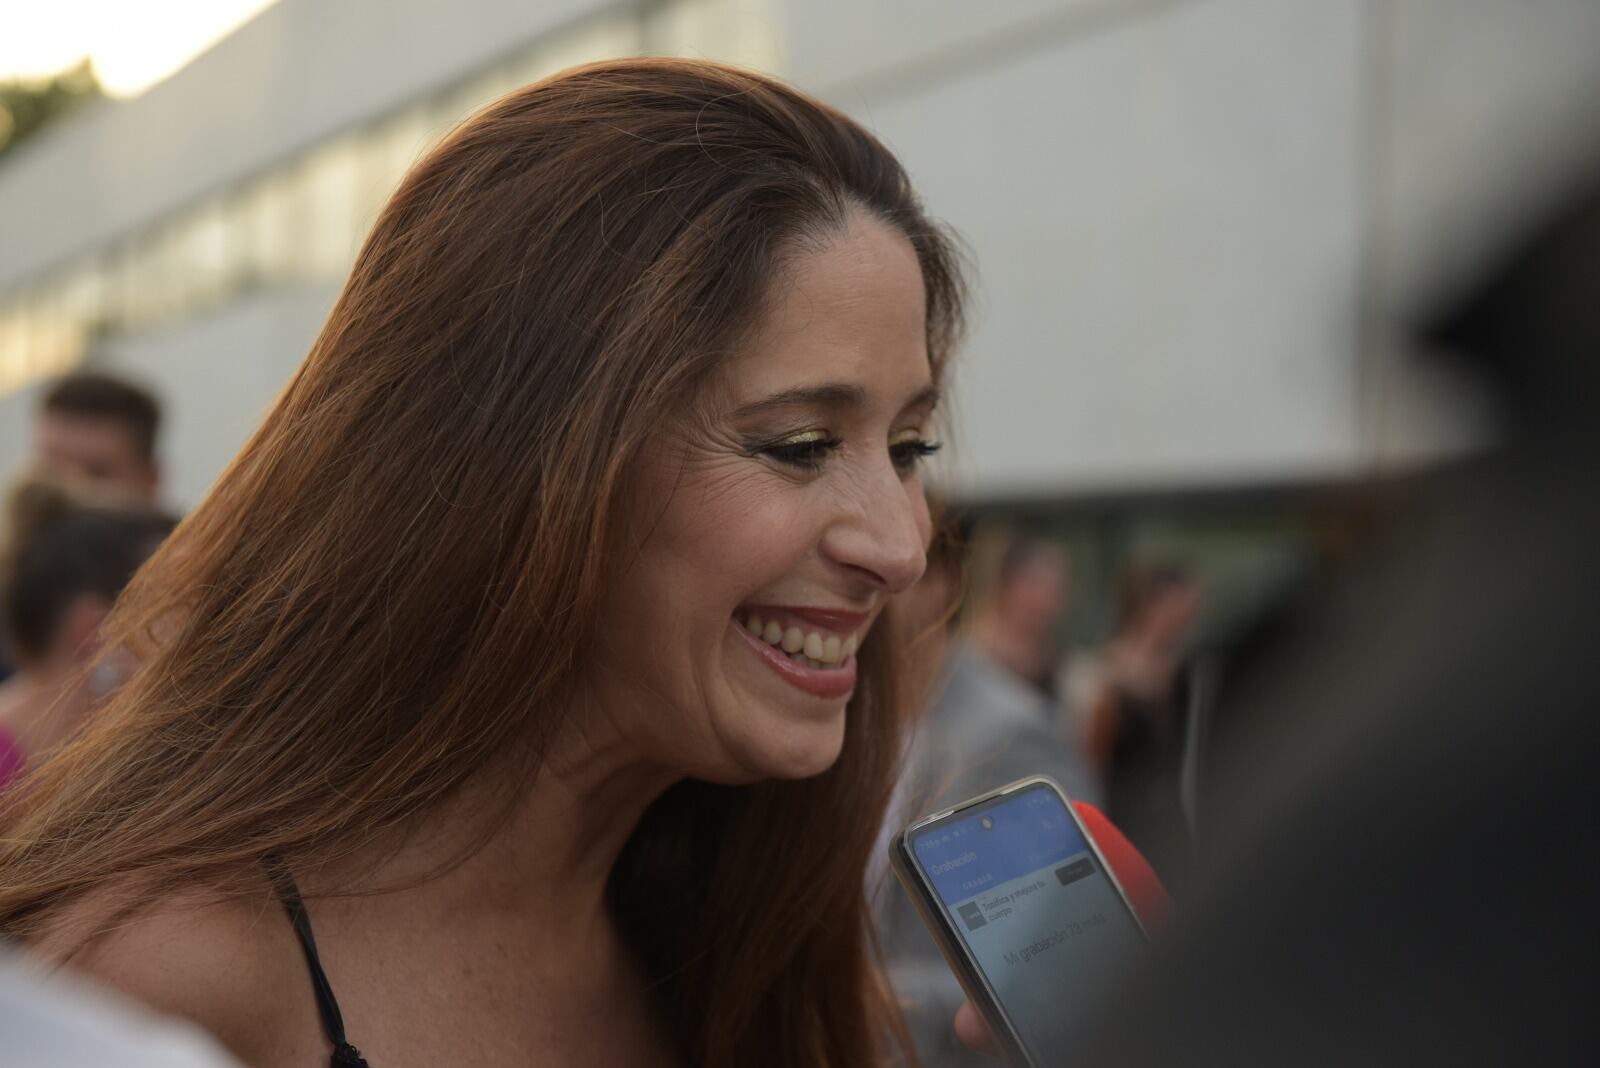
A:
{"points": [[1109, 723], [77, 524]]}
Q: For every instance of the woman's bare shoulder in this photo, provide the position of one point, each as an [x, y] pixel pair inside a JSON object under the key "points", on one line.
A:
{"points": [[231, 966]]}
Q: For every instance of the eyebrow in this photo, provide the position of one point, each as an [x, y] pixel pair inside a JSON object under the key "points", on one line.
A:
{"points": [[831, 395]]}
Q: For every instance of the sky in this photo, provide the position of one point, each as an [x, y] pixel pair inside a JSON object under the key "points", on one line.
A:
{"points": [[133, 43]]}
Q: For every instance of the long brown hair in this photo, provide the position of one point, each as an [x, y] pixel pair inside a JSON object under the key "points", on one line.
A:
{"points": [[325, 641]]}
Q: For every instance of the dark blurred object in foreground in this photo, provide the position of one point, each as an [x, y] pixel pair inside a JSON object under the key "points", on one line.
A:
{"points": [[1408, 871]]}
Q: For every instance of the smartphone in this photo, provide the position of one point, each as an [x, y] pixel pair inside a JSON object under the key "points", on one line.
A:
{"points": [[1025, 909]]}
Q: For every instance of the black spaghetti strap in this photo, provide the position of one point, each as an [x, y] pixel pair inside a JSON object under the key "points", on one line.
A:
{"points": [[344, 1054]]}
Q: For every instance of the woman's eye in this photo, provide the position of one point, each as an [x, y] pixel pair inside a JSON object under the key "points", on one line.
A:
{"points": [[805, 452], [909, 453]]}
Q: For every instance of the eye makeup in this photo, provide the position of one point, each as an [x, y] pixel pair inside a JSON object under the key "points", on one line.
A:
{"points": [[908, 447], [804, 449], [807, 449]]}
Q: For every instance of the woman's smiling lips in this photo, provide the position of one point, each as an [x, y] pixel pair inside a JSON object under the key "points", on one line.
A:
{"points": [[812, 649]]}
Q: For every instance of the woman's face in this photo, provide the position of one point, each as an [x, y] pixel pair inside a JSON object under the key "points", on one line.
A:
{"points": [[774, 525]]}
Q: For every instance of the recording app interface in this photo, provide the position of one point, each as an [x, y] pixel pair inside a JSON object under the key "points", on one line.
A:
{"points": [[1042, 920]]}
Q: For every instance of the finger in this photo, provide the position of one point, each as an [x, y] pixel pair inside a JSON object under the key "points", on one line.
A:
{"points": [[973, 1032]]}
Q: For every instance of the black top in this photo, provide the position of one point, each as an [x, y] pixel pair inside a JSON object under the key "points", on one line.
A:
{"points": [[344, 1054]]}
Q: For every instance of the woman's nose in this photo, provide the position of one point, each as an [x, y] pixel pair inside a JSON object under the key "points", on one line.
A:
{"points": [[884, 537]]}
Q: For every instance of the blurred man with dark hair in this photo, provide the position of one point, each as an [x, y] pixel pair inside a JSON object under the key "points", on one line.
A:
{"points": [[101, 430]]}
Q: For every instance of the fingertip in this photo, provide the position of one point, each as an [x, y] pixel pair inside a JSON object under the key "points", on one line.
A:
{"points": [[973, 1032]]}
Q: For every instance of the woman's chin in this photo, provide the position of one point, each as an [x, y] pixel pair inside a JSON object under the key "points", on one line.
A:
{"points": [[792, 750]]}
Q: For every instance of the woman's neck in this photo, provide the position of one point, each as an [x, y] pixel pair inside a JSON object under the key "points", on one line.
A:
{"points": [[523, 917], [549, 859]]}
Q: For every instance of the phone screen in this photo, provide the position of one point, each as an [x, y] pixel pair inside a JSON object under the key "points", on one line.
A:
{"points": [[1026, 893]]}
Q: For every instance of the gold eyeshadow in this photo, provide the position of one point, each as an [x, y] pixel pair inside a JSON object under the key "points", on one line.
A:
{"points": [[804, 437]]}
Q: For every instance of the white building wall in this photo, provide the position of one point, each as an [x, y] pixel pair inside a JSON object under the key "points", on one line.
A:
{"points": [[1163, 210], [1199, 223], [298, 73], [220, 374], [216, 375], [1190, 219]]}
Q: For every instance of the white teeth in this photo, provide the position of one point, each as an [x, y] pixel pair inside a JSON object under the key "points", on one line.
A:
{"points": [[811, 649]]}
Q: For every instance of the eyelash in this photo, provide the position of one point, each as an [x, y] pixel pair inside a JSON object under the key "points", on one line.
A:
{"points": [[808, 455]]}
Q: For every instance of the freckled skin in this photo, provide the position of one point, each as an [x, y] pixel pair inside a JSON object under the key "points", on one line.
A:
{"points": [[718, 527]]}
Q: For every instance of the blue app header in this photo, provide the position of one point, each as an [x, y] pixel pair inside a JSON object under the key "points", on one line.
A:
{"points": [[997, 842]]}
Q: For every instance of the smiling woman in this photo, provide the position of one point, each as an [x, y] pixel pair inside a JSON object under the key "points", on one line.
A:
{"points": [[541, 644]]}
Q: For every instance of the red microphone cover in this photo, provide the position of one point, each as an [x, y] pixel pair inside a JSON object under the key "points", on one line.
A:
{"points": [[1145, 892]]}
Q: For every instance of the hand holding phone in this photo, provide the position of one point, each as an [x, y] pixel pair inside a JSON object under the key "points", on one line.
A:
{"points": [[1027, 911]]}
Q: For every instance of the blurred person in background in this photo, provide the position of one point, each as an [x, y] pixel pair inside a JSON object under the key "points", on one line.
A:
{"points": [[62, 564], [1021, 584], [99, 430], [1136, 694], [541, 651], [989, 723], [102, 430]]}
